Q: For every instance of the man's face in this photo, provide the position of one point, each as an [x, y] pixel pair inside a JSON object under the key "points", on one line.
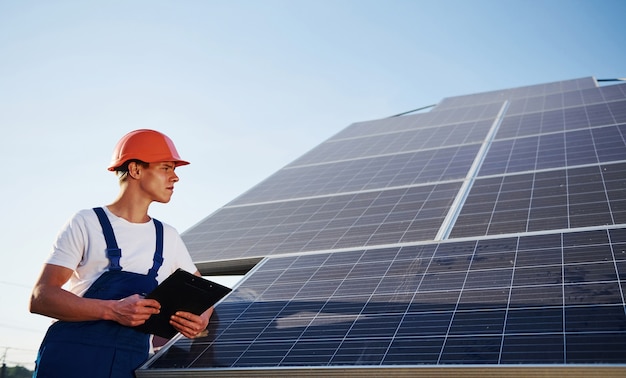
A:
{"points": [[158, 179]]}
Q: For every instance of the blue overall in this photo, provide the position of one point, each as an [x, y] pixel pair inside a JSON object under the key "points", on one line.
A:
{"points": [[102, 348]]}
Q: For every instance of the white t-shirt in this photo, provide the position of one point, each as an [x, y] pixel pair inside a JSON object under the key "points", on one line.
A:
{"points": [[80, 246]]}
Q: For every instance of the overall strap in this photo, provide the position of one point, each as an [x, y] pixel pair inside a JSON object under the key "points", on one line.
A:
{"points": [[158, 253], [113, 252]]}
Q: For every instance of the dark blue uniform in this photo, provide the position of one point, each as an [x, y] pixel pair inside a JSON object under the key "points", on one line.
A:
{"points": [[102, 348]]}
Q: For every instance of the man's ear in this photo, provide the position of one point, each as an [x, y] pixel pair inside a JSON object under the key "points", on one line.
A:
{"points": [[134, 169]]}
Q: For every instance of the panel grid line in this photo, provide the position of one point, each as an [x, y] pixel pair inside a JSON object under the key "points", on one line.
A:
{"points": [[563, 300], [407, 308], [455, 208], [251, 303], [508, 302], [454, 311], [617, 272], [317, 314], [361, 312], [606, 194]]}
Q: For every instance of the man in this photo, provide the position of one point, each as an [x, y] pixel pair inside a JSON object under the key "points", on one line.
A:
{"points": [[109, 257]]}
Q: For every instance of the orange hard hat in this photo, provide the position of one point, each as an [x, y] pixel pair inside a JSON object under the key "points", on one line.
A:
{"points": [[149, 146]]}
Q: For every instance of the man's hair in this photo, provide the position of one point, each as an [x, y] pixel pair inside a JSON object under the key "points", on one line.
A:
{"points": [[122, 170]]}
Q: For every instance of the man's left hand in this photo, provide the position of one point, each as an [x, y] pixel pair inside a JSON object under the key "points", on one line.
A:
{"points": [[191, 325]]}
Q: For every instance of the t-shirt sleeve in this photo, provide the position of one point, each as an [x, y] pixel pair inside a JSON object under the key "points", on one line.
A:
{"points": [[183, 258], [70, 244]]}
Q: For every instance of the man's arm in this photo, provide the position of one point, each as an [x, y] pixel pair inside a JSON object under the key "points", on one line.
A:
{"points": [[50, 299]]}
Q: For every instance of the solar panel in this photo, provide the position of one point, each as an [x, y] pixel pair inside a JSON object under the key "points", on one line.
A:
{"points": [[527, 93], [370, 173], [393, 142], [319, 223], [476, 302], [556, 199], [488, 232], [563, 119], [450, 116], [556, 150]]}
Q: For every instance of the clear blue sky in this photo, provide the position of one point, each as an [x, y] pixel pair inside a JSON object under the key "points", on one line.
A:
{"points": [[243, 88]]}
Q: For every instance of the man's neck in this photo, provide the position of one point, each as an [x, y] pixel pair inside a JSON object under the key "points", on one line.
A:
{"points": [[134, 210]]}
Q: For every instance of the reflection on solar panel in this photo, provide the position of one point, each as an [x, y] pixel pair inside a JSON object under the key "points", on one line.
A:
{"points": [[490, 231]]}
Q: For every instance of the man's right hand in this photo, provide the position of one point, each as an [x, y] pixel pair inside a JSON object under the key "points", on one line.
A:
{"points": [[134, 310]]}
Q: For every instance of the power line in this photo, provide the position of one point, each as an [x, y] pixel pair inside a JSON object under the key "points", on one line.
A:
{"points": [[12, 326], [13, 360], [16, 284], [6, 348]]}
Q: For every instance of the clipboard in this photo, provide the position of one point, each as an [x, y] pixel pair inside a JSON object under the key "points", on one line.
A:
{"points": [[181, 291]]}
